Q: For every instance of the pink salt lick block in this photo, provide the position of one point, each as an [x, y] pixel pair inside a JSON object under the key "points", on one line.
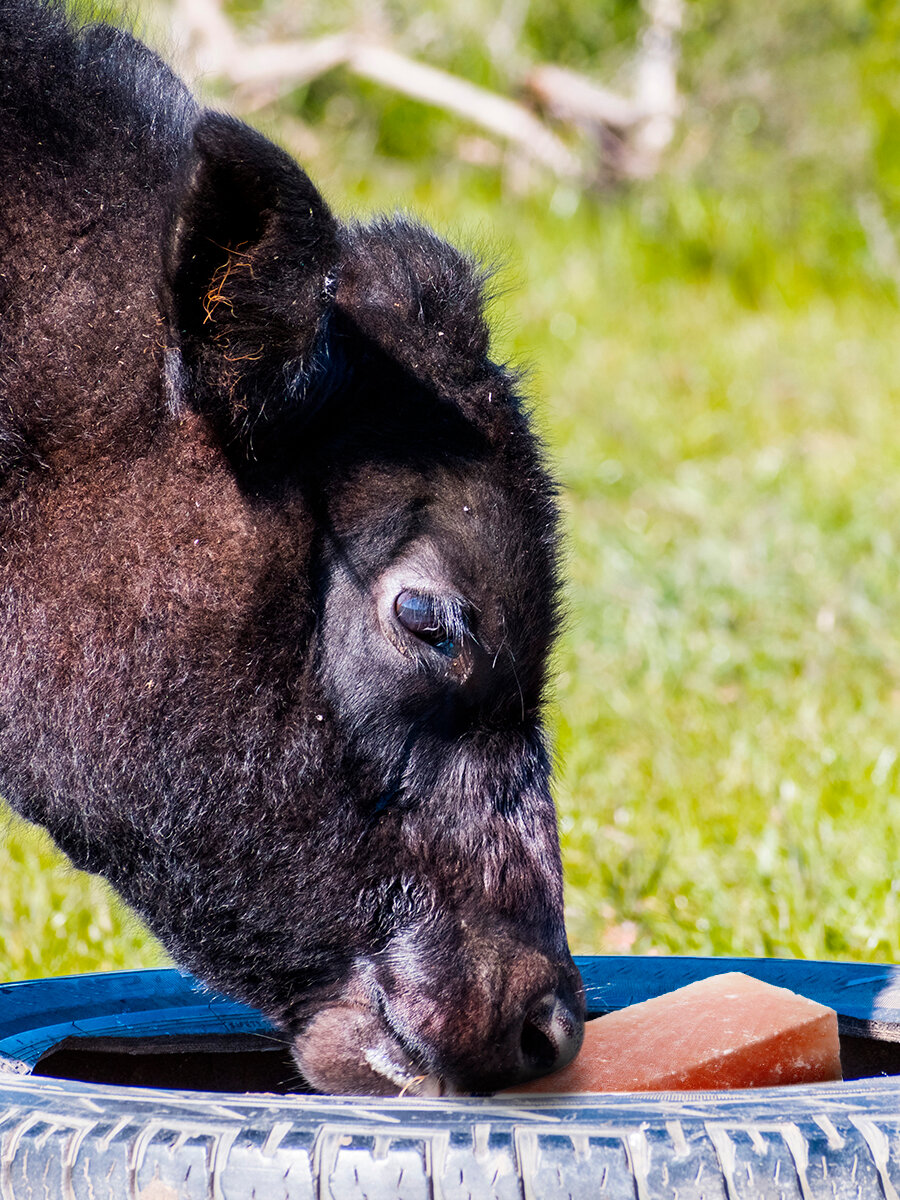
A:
{"points": [[728, 1031]]}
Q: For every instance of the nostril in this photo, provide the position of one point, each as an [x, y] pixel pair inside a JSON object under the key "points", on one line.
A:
{"points": [[550, 1036], [539, 1052]]}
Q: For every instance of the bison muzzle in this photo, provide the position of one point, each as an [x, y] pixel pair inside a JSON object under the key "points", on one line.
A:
{"points": [[278, 557]]}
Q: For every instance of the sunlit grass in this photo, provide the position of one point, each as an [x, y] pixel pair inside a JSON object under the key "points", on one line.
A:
{"points": [[729, 695], [57, 921]]}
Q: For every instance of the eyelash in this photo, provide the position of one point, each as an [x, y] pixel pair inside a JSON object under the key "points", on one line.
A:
{"points": [[438, 621]]}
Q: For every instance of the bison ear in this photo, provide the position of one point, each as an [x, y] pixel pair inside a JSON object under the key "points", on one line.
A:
{"points": [[251, 244]]}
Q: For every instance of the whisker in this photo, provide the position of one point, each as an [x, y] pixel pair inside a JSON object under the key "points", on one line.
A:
{"points": [[291, 1081], [500, 650], [504, 645], [268, 1037], [512, 660], [416, 1079]]}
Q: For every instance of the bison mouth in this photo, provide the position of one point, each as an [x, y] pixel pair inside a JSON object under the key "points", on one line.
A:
{"points": [[362, 1048], [349, 1049]]}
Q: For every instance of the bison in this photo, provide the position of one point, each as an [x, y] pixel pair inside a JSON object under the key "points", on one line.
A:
{"points": [[279, 579]]}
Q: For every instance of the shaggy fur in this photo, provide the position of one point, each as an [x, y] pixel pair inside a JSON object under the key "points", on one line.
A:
{"points": [[232, 432]]}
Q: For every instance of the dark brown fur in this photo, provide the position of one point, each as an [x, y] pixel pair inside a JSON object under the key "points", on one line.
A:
{"points": [[232, 431]]}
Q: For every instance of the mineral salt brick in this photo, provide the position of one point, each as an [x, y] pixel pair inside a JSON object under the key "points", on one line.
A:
{"points": [[728, 1031]]}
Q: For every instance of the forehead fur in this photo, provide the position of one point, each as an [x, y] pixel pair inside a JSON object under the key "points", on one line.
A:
{"points": [[418, 298]]}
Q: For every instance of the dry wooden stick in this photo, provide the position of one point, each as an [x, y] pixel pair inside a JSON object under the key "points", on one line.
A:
{"points": [[500, 116], [644, 124], [572, 97], [632, 132], [218, 51]]}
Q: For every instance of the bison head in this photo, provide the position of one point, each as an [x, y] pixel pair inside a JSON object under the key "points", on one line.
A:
{"points": [[295, 641]]}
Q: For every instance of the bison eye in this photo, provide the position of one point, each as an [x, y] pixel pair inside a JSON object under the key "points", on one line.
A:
{"points": [[435, 620]]}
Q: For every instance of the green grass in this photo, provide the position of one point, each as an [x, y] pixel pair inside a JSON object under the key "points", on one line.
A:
{"points": [[730, 685], [729, 690], [55, 920], [713, 361]]}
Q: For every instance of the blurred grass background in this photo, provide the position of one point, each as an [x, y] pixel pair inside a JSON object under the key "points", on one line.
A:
{"points": [[712, 358]]}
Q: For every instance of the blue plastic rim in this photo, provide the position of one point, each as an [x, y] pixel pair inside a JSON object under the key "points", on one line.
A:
{"points": [[38, 1015], [65, 1136]]}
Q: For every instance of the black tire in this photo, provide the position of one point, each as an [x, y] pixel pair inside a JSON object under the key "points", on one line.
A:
{"points": [[61, 1138]]}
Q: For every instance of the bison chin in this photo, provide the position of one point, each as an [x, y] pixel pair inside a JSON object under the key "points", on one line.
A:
{"points": [[350, 1051]]}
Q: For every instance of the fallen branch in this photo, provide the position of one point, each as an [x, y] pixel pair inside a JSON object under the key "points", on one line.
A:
{"points": [[576, 99], [630, 133], [500, 116], [633, 132], [656, 82], [217, 51]]}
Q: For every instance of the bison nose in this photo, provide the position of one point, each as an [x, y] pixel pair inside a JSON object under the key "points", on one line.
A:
{"points": [[539, 1032], [549, 1038]]}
